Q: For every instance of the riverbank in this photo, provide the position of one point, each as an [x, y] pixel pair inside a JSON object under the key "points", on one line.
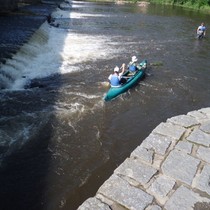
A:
{"points": [[197, 6], [194, 5], [169, 170]]}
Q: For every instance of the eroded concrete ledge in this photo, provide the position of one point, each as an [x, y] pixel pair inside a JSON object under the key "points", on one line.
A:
{"points": [[170, 170]]}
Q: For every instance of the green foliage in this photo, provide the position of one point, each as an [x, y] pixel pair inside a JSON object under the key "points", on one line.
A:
{"points": [[196, 4]]}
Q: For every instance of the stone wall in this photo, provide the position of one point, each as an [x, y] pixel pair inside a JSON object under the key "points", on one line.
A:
{"points": [[169, 170]]}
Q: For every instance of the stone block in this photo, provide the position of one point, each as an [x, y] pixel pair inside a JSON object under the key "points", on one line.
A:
{"points": [[120, 191], [143, 153], [184, 198], [199, 137], [204, 154], [184, 146], [93, 203], [205, 111], [202, 181], [170, 130], [158, 143], [200, 117], [153, 207], [180, 166], [184, 120], [134, 169], [161, 187], [205, 127]]}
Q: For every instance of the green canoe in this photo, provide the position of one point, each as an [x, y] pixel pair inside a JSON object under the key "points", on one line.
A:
{"points": [[131, 81]]}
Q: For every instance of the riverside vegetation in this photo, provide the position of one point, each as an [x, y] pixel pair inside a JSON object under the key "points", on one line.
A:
{"points": [[194, 4], [202, 5]]}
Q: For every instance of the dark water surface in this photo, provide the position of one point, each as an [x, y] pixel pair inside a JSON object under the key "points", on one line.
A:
{"points": [[59, 141]]}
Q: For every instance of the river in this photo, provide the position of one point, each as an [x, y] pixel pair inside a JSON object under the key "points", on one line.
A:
{"points": [[59, 140]]}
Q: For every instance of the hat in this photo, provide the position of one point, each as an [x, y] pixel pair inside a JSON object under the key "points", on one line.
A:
{"points": [[116, 69], [134, 58]]}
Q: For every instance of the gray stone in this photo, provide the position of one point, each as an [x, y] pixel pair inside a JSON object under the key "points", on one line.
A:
{"points": [[162, 186], [205, 111], [168, 129], [200, 117], [158, 143], [136, 170], [93, 203], [153, 207], [183, 199], [202, 206], [204, 154], [199, 137], [184, 146], [163, 160], [202, 181], [183, 120], [180, 166], [143, 154], [126, 195], [205, 127]]}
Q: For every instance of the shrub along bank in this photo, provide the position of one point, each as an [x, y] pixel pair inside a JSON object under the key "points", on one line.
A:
{"points": [[194, 4]]}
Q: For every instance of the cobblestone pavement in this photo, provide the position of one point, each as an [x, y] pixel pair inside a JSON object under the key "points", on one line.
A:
{"points": [[170, 170]]}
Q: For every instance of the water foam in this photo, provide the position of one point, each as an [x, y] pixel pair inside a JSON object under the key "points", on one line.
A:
{"points": [[54, 50]]}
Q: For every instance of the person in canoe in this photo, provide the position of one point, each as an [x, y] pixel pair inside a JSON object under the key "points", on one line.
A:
{"points": [[133, 66], [115, 79], [201, 31]]}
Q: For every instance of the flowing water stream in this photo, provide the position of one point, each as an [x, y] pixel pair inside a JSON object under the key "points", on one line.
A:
{"points": [[59, 141]]}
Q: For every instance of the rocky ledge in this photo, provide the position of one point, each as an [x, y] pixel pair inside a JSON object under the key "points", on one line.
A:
{"points": [[170, 170]]}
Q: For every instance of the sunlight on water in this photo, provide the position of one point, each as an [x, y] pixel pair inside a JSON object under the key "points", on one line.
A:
{"points": [[54, 50]]}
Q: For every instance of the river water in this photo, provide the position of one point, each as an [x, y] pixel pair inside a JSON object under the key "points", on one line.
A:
{"points": [[59, 140]]}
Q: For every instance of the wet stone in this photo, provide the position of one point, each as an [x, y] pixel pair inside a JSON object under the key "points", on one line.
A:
{"points": [[158, 143], [199, 137], [136, 170], [143, 154], [184, 120], [168, 129], [183, 198], [181, 166], [93, 203], [120, 191]]}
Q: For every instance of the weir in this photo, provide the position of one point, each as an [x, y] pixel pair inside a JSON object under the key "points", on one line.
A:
{"points": [[10, 5], [13, 69], [17, 51]]}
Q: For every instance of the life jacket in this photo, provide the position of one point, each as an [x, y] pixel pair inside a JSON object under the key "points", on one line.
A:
{"points": [[115, 80], [132, 68], [203, 28]]}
